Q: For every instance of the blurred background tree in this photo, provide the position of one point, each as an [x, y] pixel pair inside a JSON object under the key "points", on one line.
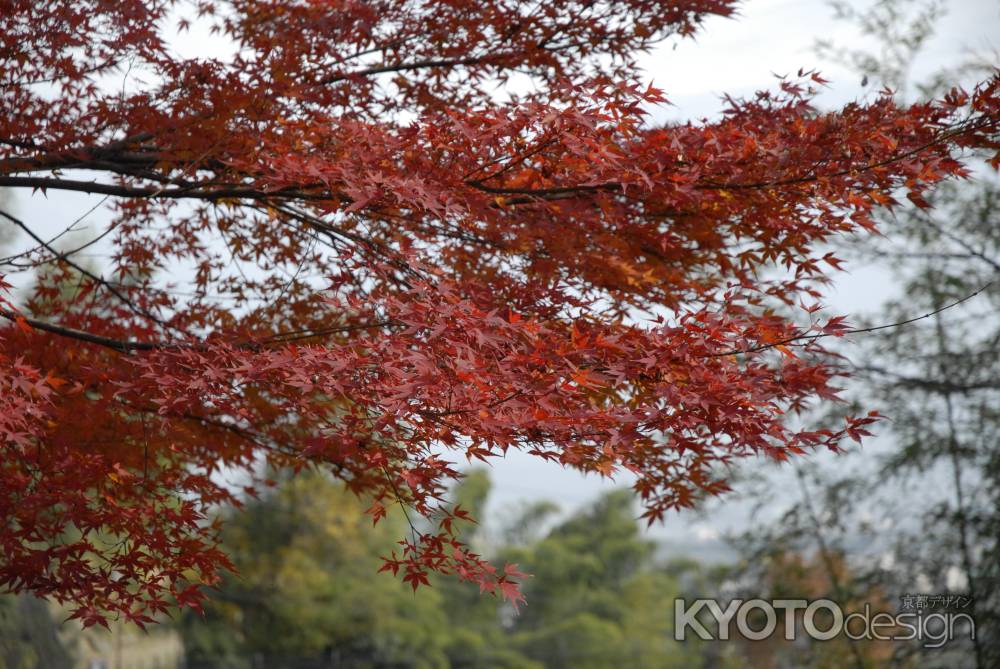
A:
{"points": [[598, 598], [308, 595], [307, 590], [919, 512]]}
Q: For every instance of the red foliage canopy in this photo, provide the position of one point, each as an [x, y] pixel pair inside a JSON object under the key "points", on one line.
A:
{"points": [[350, 246]]}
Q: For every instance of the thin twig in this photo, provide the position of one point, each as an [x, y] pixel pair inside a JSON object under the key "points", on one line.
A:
{"points": [[821, 335]]}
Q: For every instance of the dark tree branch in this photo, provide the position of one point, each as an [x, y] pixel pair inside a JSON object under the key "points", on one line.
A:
{"points": [[84, 271], [939, 386], [821, 335], [125, 346]]}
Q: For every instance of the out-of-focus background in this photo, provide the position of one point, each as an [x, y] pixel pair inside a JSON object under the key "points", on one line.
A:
{"points": [[916, 513]]}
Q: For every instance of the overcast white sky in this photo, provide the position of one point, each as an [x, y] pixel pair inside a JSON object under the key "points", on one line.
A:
{"points": [[736, 56]]}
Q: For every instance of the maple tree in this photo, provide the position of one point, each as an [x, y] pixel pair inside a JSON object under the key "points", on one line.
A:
{"points": [[354, 245]]}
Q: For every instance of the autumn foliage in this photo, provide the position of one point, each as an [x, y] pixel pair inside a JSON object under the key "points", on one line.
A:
{"points": [[386, 237]]}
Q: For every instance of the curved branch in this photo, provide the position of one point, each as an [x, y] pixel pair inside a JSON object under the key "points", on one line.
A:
{"points": [[821, 335]]}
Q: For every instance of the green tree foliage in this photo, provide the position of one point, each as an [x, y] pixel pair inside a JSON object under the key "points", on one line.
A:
{"points": [[597, 600], [28, 635], [308, 594], [307, 590]]}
